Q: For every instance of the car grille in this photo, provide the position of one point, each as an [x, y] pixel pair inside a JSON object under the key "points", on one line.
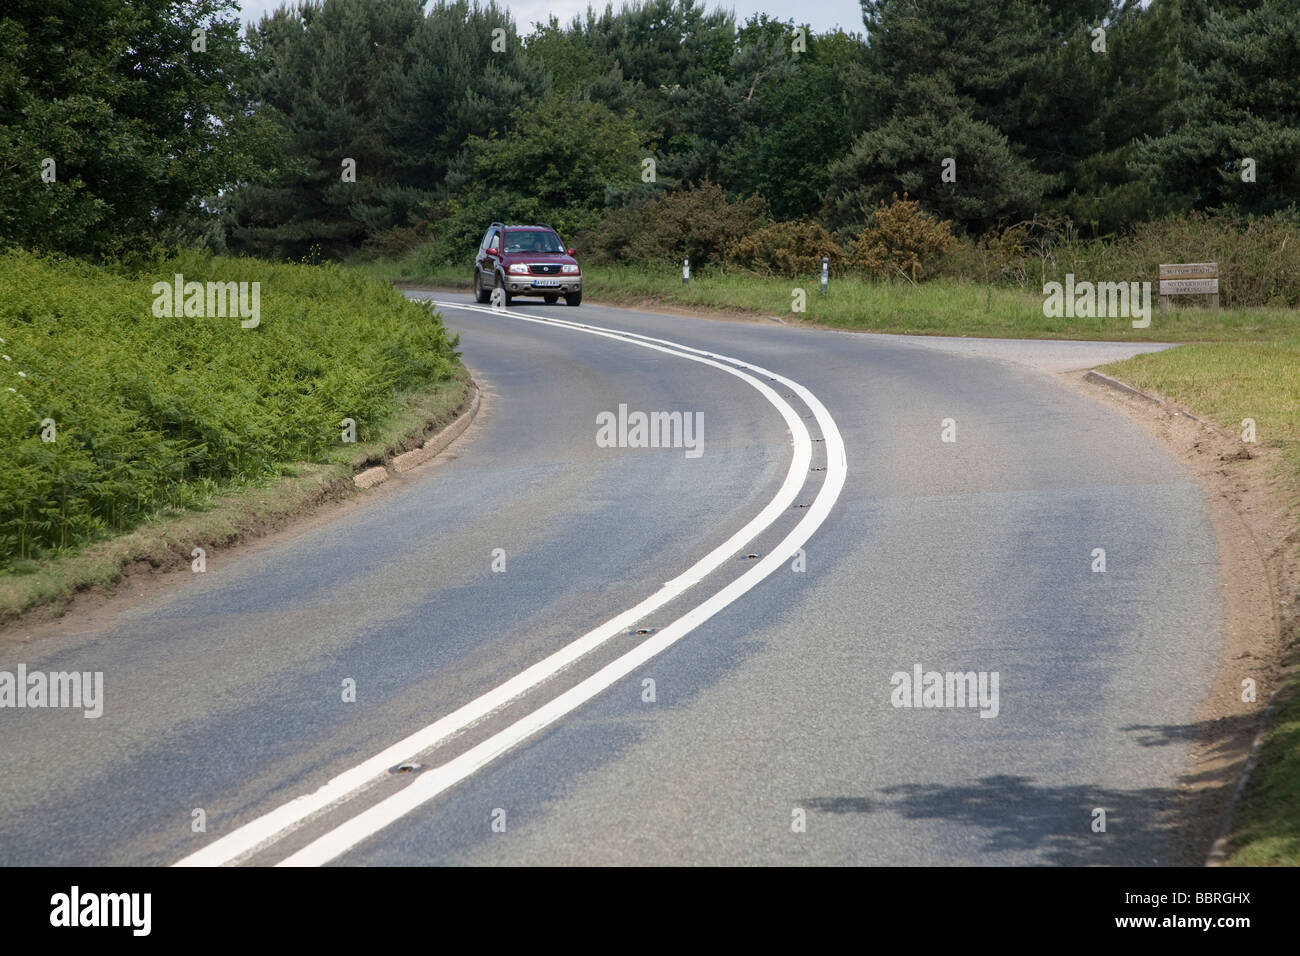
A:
{"points": [[543, 270]]}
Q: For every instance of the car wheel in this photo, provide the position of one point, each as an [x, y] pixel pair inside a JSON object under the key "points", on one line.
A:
{"points": [[573, 298], [507, 298], [481, 295], [550, 299]]}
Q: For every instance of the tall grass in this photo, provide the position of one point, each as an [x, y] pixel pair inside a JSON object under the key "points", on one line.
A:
{"points": [[1259, 260], [938, 307], [162, 412]]}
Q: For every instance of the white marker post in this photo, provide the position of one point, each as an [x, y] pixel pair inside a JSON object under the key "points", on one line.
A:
{"points": [[686, 270], [826, 273]]}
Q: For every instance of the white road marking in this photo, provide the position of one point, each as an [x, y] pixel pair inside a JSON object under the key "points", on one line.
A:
{"points": [[270, 827], [433, 782]]}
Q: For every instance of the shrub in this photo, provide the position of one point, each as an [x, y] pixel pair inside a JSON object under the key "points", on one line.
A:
{"points": [[699, 222], [794, 248], [902, 239], [1259, 258]]}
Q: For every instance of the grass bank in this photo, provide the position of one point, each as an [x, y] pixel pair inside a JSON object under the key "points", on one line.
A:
{"points": [[127, 436]]}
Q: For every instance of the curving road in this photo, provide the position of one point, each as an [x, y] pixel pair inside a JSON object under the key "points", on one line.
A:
{"points": [[487, 607]]}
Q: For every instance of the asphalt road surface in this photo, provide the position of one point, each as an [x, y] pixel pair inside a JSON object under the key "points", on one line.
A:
{"points": [[705, 653]]}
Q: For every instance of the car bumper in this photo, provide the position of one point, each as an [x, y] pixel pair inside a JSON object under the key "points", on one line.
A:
{"points": [[563, 286]]}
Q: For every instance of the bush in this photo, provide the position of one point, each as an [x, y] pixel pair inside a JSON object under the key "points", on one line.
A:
{"points": [[155, 412], [1259, 259], [699, 222], [901, 239], [793, 249]]}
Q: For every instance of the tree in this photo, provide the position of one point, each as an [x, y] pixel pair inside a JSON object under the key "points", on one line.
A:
{"points": [[1237, 100], [799, 113], [1037, 74], [140, 117], [555, 165], [932, 132], [661, 51], [395, 91], [457, 84]]}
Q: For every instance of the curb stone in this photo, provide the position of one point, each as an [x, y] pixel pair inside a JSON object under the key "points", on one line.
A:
{"points": [[433, 446], [371, 477], [1095, 376], [1219, 849]]}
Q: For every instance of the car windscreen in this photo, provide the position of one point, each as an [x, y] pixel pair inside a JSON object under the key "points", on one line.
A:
{"points": [[532, 240]]}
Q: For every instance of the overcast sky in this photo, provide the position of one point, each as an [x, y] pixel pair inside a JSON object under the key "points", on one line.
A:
{"points": [[819, 14]]}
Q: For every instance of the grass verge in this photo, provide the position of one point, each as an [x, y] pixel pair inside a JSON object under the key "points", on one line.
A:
{"points": [[939, 307], [1266, 827]]}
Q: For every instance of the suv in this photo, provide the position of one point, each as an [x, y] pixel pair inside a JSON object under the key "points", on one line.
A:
{"points": [[526, 260]]}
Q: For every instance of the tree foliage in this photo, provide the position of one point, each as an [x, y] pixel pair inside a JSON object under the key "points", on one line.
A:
{"points": [[134, 125], [1102, 113]]}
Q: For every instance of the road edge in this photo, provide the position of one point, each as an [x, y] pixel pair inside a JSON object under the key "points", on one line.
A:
{"points": [[432, 447], [1246, 753]]}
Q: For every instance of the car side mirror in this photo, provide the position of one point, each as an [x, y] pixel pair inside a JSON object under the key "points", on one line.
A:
{"points": [[571, 252], [494, 252]]}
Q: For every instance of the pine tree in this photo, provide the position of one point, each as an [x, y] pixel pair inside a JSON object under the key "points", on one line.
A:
{"points": [[1237, 101]]}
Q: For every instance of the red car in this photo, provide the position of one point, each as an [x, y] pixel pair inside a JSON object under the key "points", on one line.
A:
{"points": [[526, 260]]}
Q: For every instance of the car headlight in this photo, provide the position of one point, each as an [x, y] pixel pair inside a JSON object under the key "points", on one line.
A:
{"points": [[569, 269], [519, 268]]}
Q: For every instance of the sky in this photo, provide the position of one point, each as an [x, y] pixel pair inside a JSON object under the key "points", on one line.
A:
{"points": [[819, 14]]}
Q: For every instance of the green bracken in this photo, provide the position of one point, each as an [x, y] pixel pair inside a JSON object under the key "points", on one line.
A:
{"points": [[149, 413]]}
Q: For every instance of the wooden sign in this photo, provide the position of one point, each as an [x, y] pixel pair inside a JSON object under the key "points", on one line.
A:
{"points": [[1189, 278], [1189, 286], [1190, 270]]}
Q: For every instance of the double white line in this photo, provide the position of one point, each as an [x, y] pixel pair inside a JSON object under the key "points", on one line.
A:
{"points": [[267, 829]]}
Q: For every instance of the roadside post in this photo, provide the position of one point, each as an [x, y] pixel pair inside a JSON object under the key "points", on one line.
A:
{"points": [[686, 270], [826, 273]]}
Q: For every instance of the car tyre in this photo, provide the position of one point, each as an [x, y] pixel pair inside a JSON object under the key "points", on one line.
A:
{"points": [[508, 298], [481, 295], [573, 298], [550, 299]]}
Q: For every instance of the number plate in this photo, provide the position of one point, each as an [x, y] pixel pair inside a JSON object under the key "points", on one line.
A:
{"points": [[545, 283]]}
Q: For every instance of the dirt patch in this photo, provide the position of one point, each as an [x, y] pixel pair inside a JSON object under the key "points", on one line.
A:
{"points": [[1247, 493]]}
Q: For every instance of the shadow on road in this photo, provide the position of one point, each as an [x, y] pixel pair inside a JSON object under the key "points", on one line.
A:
{"points": [[1014, 815]]}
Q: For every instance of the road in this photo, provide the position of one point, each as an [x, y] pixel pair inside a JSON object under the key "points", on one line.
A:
{"points": [[487, 606]]}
